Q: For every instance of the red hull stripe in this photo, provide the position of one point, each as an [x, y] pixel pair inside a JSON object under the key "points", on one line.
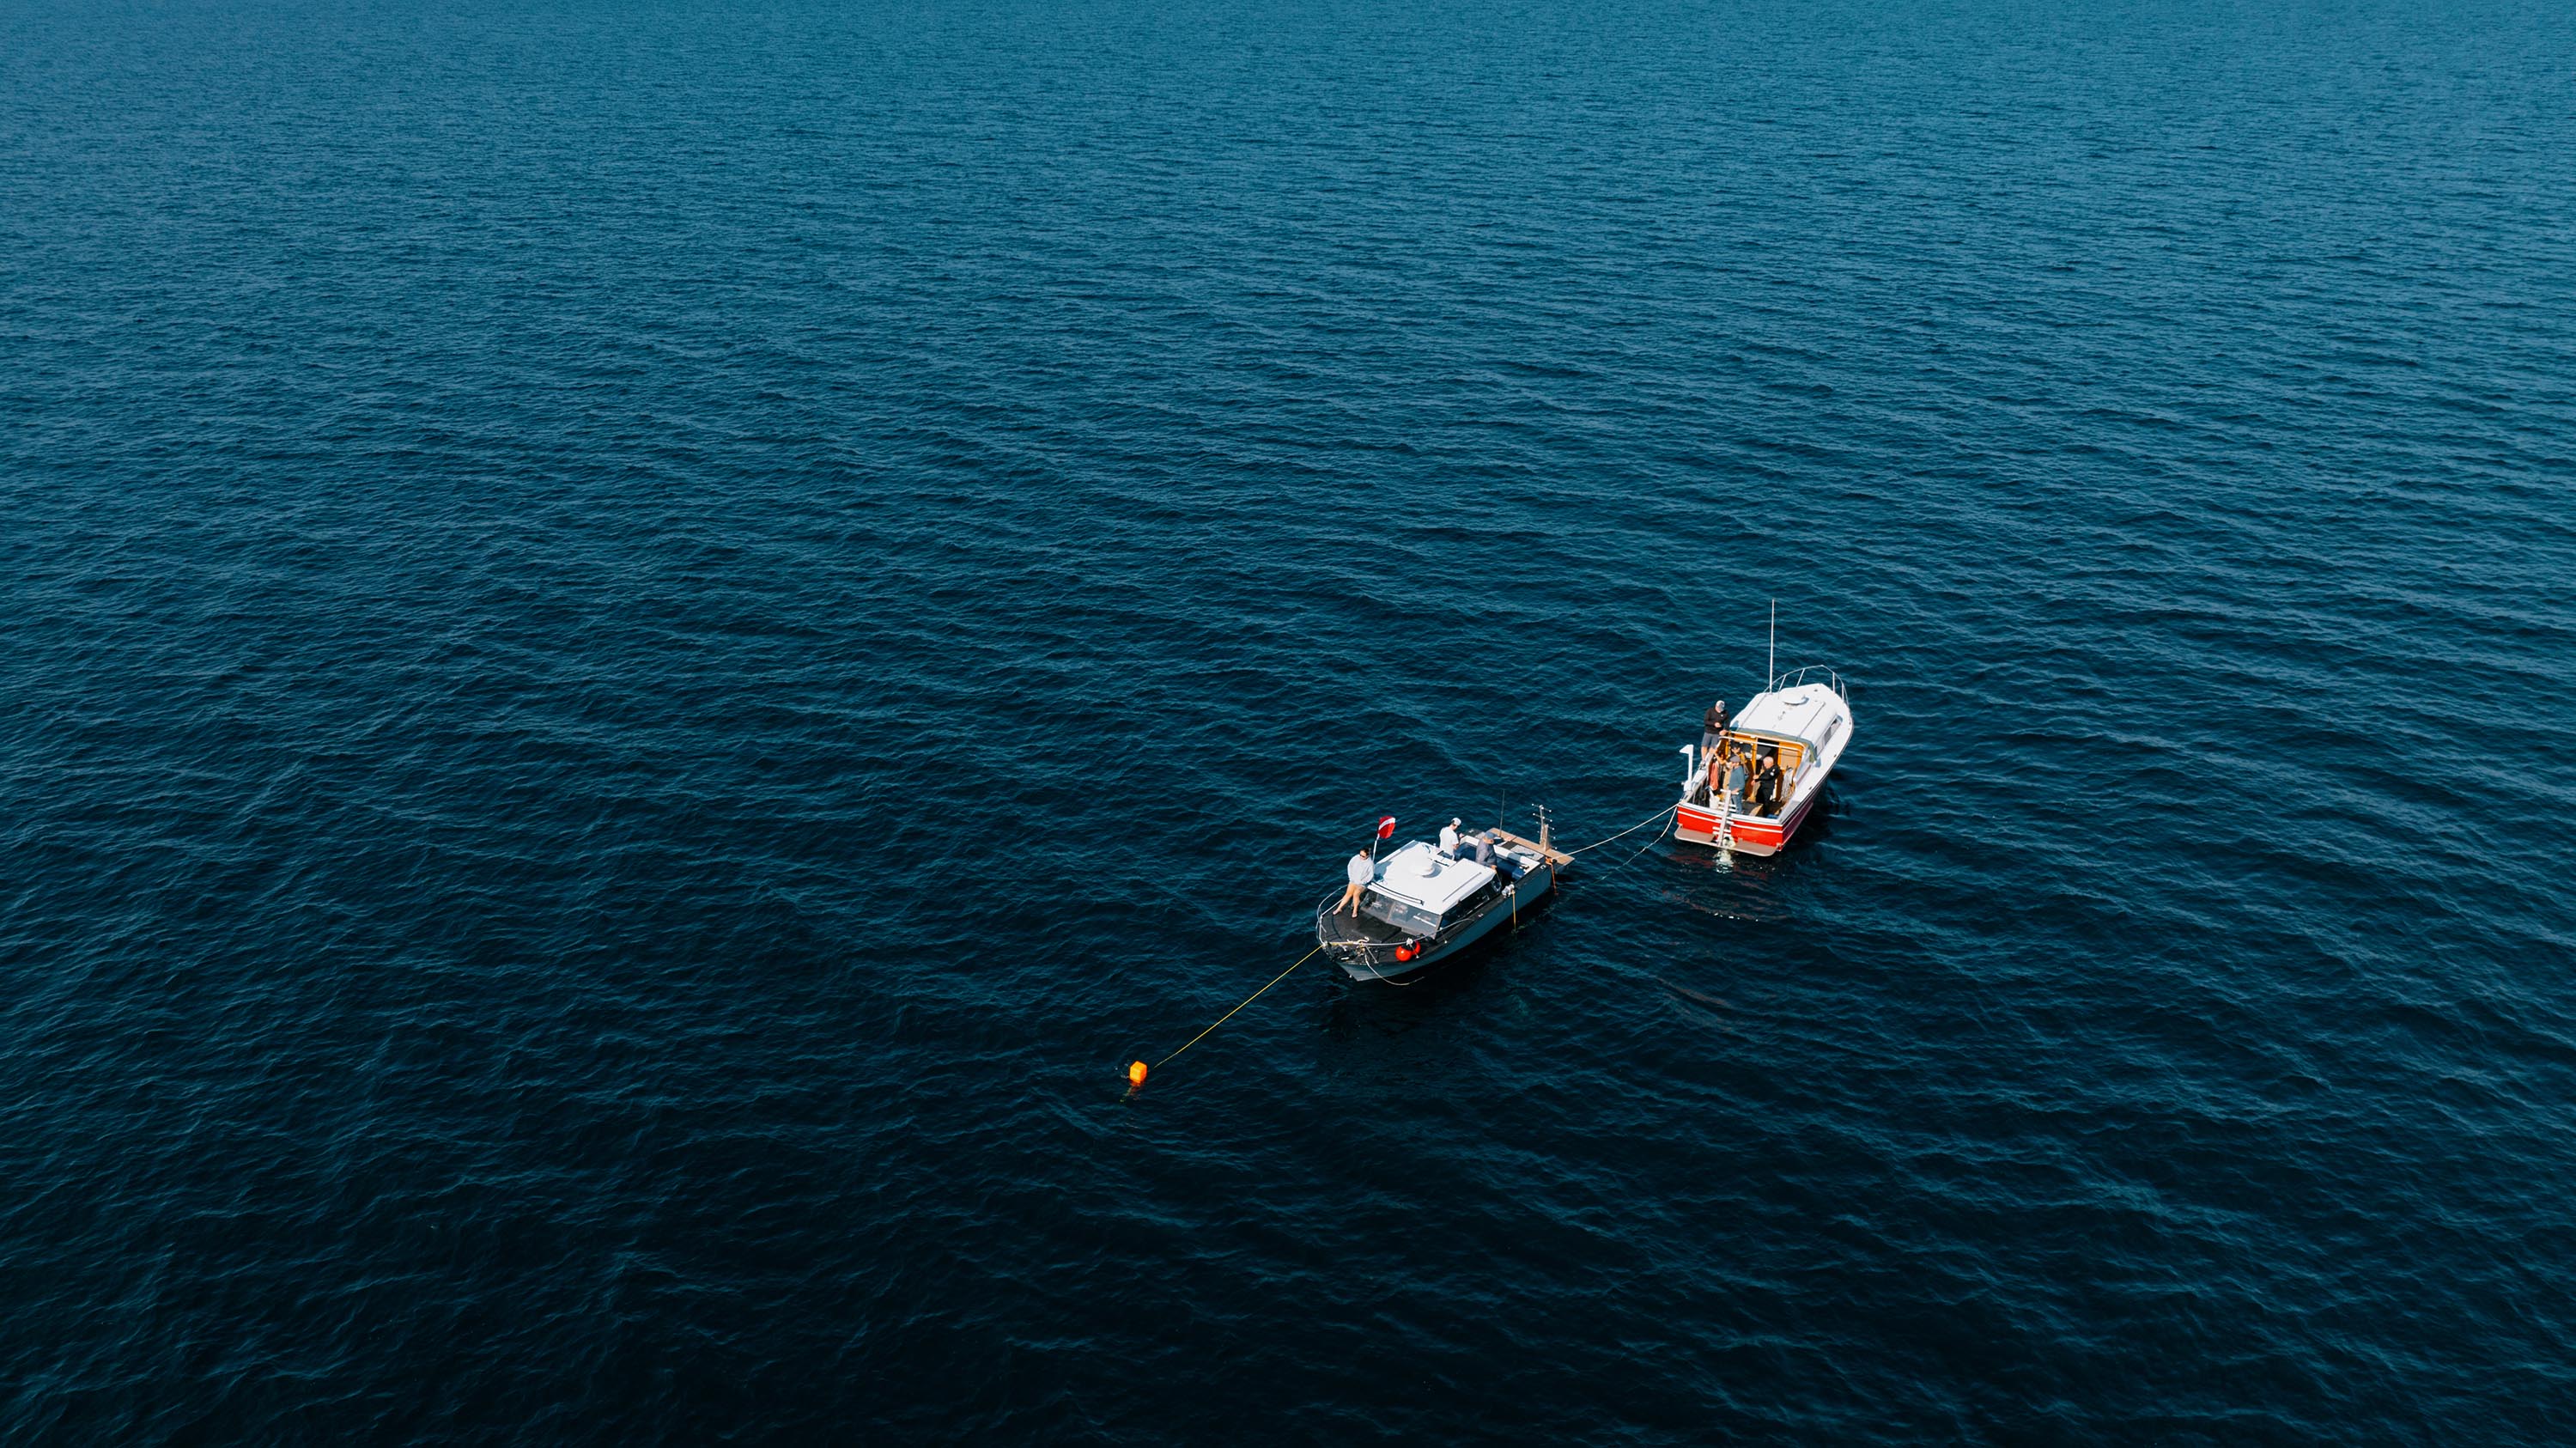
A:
{"points": [[1748, 831]]}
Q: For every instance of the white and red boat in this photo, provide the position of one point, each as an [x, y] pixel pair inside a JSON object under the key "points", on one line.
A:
{"points": [[1751, 783]]}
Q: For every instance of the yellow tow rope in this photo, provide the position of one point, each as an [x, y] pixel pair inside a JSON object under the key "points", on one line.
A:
{"points": [[1136, 1069]]}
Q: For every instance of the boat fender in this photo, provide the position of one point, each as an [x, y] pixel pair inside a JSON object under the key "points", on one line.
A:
{"points": [[1404, 951]]}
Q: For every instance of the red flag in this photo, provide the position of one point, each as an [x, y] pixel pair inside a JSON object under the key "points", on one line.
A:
{"points": [[1386, 828]]}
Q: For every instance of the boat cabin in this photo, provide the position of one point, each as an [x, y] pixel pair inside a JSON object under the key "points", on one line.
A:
{"points": [[1795, 720], [1417, 886]]}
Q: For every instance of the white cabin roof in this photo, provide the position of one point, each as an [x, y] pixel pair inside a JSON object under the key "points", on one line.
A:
{"points": [[1804, 712], [1421, 876]]}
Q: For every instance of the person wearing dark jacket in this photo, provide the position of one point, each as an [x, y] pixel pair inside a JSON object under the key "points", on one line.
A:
{"points": [[1712, 730]]}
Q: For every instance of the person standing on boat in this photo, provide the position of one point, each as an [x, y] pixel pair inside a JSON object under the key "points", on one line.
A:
{"points": [[1449, 839], [1712, 730], [1766, 785], [1359, 872], [1736, 777]]}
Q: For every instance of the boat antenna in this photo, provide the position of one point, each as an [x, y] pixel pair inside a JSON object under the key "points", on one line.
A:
{"points": [[1771, 666]]}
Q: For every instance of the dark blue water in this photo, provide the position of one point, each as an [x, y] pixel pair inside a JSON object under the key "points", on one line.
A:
{"points": [[645, 643]]}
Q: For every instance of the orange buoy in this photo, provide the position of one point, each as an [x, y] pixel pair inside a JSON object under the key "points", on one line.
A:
{"points": [[1135, 1073], [1404, 952]]}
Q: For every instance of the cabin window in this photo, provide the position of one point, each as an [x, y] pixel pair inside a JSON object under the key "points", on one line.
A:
{"points": [[1790, 755], [1401, 915]]}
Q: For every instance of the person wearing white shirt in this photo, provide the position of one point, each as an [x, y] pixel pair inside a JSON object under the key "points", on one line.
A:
{"points": [[1359, 872], [1449, 839]]}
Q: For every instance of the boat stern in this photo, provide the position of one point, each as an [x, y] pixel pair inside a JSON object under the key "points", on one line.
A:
{"points": [[1753, 837]]}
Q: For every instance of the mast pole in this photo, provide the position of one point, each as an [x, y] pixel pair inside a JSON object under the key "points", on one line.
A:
{"points": [[1772, 665]]}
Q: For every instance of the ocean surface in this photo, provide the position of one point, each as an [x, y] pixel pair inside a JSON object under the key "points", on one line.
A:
{"points": [[645, 642]]}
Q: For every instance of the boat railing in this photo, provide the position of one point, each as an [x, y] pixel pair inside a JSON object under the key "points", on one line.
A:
{"points": [[1832, 677]]}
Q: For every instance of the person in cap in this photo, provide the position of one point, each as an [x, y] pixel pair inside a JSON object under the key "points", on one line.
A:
{"points": [[1449, 839], [1359, 872], [1712, 729]]}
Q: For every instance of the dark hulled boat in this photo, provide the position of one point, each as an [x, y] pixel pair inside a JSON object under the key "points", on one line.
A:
{"points": [[1425, 905]]}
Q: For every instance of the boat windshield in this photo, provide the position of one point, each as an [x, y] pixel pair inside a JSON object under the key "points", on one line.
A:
{"points": [[1410, 918]]}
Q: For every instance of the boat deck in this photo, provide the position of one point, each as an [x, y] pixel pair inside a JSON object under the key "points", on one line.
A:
{"points": [[1341, 927], [1559, 858], [1705, 798]]}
